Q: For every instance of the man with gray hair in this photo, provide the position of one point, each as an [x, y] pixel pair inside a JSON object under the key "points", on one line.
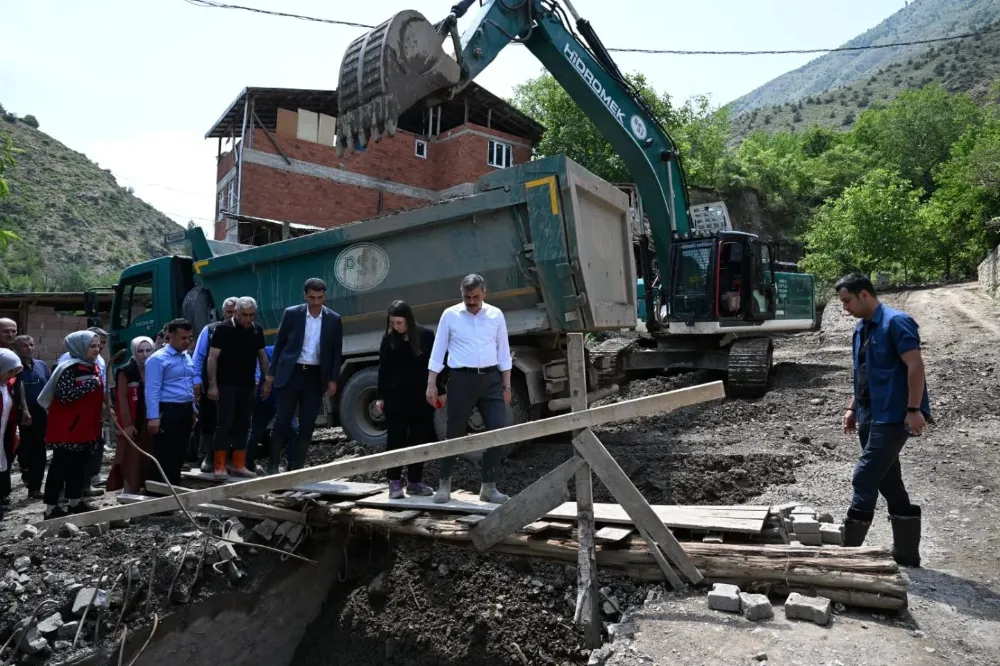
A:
{"points": [[236, 348], [474, 335], [206, 408]]}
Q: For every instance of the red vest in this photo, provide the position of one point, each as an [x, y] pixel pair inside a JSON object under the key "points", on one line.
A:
{"points": [[78, 421]]}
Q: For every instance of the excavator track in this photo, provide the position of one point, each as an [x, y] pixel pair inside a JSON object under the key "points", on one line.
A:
{"points": [[749, 367]]}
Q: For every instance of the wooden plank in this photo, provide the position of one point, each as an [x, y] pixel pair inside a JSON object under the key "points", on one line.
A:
{"points": [[635, 504], [612, 534], [255, 509], [462, 501], [670, 515], [527, 506], [587, 612], [342, 488], [619, 411], [536, 527]]}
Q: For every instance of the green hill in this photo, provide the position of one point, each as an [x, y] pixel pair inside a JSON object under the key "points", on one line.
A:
{"points": [[918, 20], [967, 65], [77, 227]]}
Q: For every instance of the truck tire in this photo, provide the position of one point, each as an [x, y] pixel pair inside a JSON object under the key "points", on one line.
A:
{"points": [[198, 308], [518, 412], [357, 409]]}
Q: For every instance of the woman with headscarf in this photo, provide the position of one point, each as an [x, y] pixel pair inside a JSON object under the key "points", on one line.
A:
{"points": [[128, 472], [10, 366], [74, 399]]}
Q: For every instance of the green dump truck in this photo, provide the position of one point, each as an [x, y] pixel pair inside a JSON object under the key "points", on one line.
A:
{"points": [[555, 246]]}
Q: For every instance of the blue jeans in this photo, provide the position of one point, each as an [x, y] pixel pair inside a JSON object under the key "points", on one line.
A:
{"points": [[260, 434], [878, 469]]}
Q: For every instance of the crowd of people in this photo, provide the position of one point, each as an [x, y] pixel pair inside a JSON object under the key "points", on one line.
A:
{"points": [[217, 398]]}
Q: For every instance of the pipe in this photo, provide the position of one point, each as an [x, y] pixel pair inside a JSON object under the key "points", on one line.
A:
{"points": [[560, 404]]}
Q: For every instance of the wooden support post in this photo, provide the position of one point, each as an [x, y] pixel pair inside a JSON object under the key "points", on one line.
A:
{"points": [[588, 613], [526, 507], [629, 409], [635, 504]]}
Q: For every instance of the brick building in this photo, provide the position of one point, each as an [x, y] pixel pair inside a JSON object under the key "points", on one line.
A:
{"points": [[49, 317], [281, 163]]}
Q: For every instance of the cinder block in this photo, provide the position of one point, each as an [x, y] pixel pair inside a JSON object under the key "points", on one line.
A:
{"points": [[725, 598], [755, 606], [805, 525], [809, 539], [831, 533], [814, 609]]}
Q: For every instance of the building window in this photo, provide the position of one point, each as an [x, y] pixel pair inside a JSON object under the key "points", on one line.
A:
{"points": [[222, 206], [499, 154], [232, 195], [420, 149]]}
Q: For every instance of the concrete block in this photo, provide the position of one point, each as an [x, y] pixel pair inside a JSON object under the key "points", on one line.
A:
{"points": [[51, 624], [833, 534], [804, 510], [814, 609], [755, 606], [83, 597], [725, 598], [805, 525], [810, 539]]}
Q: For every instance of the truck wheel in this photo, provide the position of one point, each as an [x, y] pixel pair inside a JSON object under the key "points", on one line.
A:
{"points": [[198, 308], [518, 412], [358, 416]]}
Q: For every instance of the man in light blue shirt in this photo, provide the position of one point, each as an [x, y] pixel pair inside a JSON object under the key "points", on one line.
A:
{"points": [[170, 407], [207, 417]]}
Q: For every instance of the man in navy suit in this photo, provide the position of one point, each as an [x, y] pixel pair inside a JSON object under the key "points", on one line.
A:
{"points": [[305, 366]]}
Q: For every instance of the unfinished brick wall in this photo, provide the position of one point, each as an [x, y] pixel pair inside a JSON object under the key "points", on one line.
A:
{"points": [[49, 330]]}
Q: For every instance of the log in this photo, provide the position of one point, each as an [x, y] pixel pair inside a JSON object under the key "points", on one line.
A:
{"points": [[620, 411]]}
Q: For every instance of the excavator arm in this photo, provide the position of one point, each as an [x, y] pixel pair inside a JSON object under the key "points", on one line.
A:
{"points": [[402, 62]]}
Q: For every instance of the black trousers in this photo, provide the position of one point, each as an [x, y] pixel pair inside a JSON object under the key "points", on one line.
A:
{"points": [[303, 391], [170, 443], [31, 451], [466, 391], [409, 421], [235, 412], [67, 475], [207, 422]]}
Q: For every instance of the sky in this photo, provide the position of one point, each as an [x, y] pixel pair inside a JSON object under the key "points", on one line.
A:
{"points": [[135, 85]]}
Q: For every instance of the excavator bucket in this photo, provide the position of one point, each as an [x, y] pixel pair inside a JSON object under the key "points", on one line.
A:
{"points": [[387, 71]]}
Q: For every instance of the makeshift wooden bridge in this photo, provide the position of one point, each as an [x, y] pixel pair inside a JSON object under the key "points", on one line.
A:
{"points": [[539, 521]]}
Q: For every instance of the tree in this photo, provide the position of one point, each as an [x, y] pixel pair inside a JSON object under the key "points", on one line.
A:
{"points": [[568, 131], [702, 134], [30, 121], [873, 226]]}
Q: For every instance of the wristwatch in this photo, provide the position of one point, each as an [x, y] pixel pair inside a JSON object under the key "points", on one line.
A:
{"points": [[912, 409]]}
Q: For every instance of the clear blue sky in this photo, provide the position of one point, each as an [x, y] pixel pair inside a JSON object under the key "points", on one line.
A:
{"points": [[135, 85]]}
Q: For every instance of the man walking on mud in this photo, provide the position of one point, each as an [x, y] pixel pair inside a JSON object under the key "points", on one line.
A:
{"points": [[890, 405], [474, 334]]}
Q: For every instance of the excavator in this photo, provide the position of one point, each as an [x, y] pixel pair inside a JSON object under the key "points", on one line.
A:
{"points": [[712, 298]]}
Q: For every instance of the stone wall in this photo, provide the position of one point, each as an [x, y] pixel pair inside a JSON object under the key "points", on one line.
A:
{"points": [[989, 274], [49, 328]]}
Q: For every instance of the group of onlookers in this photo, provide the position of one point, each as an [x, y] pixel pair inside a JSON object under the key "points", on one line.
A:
{"points": [[211, 399]]}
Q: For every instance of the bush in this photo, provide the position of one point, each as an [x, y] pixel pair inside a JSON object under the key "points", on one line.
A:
{"points": [[30, 121], [848, 119], [10, 117]]}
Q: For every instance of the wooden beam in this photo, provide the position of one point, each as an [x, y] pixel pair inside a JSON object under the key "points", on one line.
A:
{"points": [[633, 502], [526, 507], [588, 611], [620, 411], [257, 509]]}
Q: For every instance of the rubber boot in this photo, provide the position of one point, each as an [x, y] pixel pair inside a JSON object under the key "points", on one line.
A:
{"points": [[207, 453], [488, 493], [239, 466], [856, 526], [906, 535], [443, 493], [220, 465]]}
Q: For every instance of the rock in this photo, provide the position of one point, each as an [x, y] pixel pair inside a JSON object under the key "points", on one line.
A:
{"points": [[52, 579], [18, 589], [68, 630], [760, 656], [609, 608], [295, 533], [83, 597], [916, 633], [68, 530], [22, 564], [443, 570], [265, 529], [92, 530], [827, 444], [599, 657], [34, 646], [50, 624], [804, 439], [839, 608], [724, 598], [814, 609], [378, 587], [12, 575], [120, 524], [226, 551], [817, 402], [28, 532], [61, 646], [825, 518], [755, 606], [72, 588]]}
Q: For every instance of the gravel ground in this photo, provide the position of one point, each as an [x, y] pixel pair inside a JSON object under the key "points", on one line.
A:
{"points": [[403, 606]]}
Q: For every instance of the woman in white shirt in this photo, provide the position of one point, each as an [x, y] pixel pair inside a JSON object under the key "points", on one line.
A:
{"points": [[10, 365]]}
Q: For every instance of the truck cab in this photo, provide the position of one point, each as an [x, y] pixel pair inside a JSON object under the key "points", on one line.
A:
{"points": [[148, 295]]}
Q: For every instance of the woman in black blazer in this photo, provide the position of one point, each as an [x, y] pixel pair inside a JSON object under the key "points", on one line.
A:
{"points": [[402, 381]]}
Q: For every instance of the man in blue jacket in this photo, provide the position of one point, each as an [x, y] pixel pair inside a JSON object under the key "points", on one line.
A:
{"points": [[889, 406], [263, 412]]}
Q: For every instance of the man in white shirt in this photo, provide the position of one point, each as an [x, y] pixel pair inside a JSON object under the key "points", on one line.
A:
{"points": [[474, 335]]}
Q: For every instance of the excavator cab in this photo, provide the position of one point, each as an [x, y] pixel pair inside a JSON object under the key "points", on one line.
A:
{"points": [[727, 277]]}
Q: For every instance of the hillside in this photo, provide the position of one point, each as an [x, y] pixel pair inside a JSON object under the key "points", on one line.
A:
{"points": [[76, 225], [967, 65], [920, 19]]}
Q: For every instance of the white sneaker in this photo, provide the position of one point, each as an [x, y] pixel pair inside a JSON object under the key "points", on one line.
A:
{"points": [[488, 493], [443, 493]]}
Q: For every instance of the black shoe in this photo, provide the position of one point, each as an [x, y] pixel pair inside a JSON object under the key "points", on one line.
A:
{"points": [[856, 526], [57, 512], [36, 494], [906, 536], [5, 501], [82, 507]]}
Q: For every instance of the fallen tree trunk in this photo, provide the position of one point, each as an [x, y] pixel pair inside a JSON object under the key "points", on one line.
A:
{"points": [[862, 577]]}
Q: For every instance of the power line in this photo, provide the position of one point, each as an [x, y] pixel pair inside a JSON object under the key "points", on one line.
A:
{"points": [[840, 49]]}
